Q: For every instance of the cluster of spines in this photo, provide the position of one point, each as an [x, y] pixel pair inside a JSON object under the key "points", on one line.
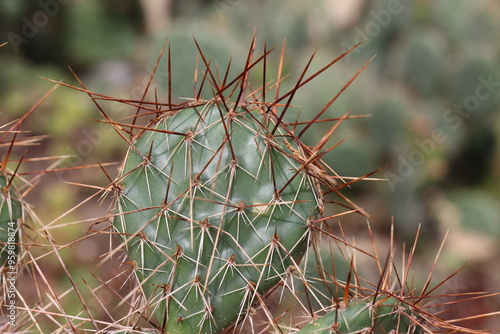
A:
{"points": [[307, 157], [13, 212], [24, 239]]}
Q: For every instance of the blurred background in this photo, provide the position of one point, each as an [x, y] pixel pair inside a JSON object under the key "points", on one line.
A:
{"points": [[432, 93]]}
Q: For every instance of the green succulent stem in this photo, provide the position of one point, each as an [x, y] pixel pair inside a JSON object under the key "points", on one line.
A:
{"points": [[10, 215], [214, 208], [385, 315]]}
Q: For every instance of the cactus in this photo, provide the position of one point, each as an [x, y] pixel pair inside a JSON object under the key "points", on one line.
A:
{"points": [[12, 205], [384, 315], [21, 243], [216, 202], [218, 208], [10, 215], [223, 211]]}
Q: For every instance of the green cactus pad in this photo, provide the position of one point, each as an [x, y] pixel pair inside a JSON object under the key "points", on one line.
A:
{"points": [[387, 315], [10, 213], [215, 208]]}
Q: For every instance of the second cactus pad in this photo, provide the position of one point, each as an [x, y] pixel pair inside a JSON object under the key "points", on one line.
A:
{"points": [[10, 215], [364, 315], [214, 206]]}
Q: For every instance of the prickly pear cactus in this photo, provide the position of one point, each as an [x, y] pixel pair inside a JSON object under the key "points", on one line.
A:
{"points": [[385, 315], [215, 208]]}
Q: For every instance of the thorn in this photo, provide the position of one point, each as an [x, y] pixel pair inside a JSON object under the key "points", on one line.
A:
{"points": [[9, 151], [328, 135], [169, 76], [264, 70], [17, 124], [146, 89], [244, 79], [91, 95], [15, 171], [292, 91], [278, 79], [291, 94], [347, 288], [335, 97]]}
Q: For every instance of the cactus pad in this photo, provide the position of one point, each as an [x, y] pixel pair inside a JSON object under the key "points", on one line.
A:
{"points": [[10, 213], [386, 315], [215, 207]]}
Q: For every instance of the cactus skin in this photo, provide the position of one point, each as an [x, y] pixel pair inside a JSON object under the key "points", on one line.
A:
{"points": [[214, 208], [10, 213], [386, 315]]}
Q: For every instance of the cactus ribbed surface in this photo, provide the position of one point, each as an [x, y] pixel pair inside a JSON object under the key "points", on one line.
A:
{"points": [[215, 208]]}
